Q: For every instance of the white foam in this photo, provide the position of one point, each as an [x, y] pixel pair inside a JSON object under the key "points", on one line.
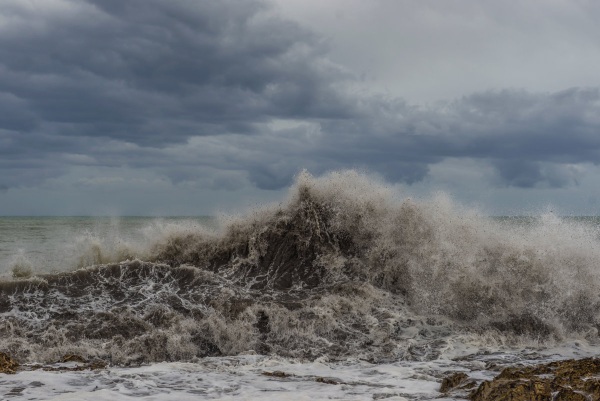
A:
{"points": [[390, 278], [243, 378], [231, 378]]}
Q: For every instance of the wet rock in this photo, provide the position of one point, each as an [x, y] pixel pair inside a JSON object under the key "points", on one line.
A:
{"points": [[328, 380], [455, 381], [572, 380], [277, 373], [569, 395], [514, 390], [72, 358], [7, 364], [96, 365]]}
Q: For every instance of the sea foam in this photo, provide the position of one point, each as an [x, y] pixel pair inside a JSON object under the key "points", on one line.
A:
{"points": [[343, 268]]}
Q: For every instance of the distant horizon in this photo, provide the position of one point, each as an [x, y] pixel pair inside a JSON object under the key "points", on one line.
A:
{"points": [[109, 216], [216, 215]]}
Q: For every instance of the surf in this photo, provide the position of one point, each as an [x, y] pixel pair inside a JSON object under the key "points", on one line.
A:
{"points": [[344, 267]]}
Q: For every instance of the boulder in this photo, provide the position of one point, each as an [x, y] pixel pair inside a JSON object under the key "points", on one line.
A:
{"points": [[455, 381]]}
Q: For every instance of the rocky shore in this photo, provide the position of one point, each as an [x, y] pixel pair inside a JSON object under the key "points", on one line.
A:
{"points": [[568, 380]]}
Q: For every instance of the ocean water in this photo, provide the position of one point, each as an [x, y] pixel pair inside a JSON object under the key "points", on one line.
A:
{"points": [[349, 289]]}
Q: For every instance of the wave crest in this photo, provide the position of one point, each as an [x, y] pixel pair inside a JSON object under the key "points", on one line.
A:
{"points": [[343, 267]]}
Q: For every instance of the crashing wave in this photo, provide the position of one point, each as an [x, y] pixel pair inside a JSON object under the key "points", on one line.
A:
{"points": [[341, 269]]}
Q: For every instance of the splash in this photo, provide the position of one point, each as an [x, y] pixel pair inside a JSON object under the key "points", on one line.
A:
{"points": [[342, 268], [20, 266]]}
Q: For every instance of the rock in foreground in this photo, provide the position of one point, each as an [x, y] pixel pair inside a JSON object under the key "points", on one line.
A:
{"points": [[7, 364], [560, 381]]}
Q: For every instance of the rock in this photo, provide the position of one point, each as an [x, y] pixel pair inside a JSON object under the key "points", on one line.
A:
{"points": [[72, 358], [328, 380], [572, 380], [277, 373], [569, 395], [513, 390], [7, 364], [455, 380]]}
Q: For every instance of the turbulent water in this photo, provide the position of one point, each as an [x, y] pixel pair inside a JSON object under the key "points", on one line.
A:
{"points": [[342, 270]]}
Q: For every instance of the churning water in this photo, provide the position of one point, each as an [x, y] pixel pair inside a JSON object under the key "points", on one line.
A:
{"points": [[343, 279]]}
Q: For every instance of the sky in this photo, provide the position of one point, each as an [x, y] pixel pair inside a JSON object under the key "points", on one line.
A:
{"points": [[183, 107]]}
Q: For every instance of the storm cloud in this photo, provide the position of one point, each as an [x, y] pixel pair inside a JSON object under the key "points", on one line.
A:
{"points": [[228, 93]]}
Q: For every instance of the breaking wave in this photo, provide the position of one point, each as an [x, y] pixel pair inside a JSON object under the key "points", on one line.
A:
{"points": [[342, 268]]}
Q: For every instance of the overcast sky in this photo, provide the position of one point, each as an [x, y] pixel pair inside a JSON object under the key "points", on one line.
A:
{"points": [[183, 107]]}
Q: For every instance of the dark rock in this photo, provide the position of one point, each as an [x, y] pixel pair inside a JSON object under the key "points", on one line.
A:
{"points": [[327, 380], [277, 373], [513, 390], [72, 358], [455, 380], [96, 365]]}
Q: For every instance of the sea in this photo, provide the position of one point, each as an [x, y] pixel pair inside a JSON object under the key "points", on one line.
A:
{"points": [[344, 290]]}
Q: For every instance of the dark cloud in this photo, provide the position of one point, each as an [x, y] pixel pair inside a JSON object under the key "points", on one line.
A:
{"points": [[519, 173], [131, 70], [530, 139], [15, 116], [225, 90], [558, 127], [272, 177], [526, 174]]}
